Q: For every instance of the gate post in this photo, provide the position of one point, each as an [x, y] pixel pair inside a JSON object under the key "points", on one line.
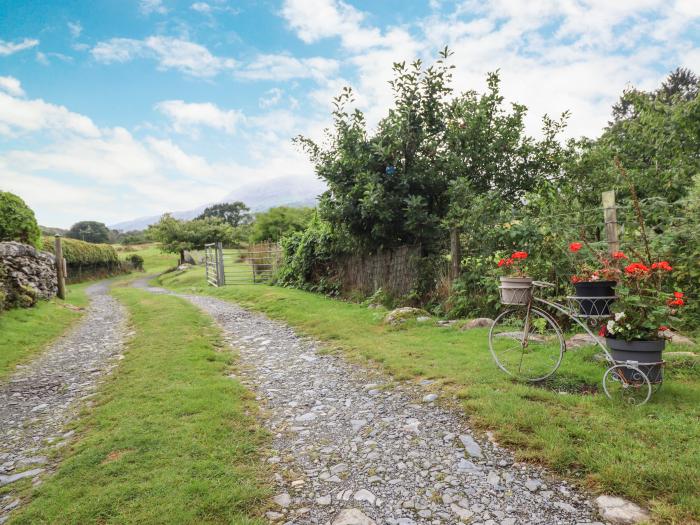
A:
{"points": [[610, 216], [60, 268], [221, 277]]}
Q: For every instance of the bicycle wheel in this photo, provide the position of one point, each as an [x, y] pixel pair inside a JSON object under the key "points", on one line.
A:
{"points": [[627, 384], [526, 344]]}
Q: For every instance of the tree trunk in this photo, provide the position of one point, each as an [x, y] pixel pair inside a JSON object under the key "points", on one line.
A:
{"points": [[455, 253]]}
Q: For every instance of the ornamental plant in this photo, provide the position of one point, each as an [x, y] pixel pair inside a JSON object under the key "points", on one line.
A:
{"points": [[643, 311], [515, 265], [593, 265]]}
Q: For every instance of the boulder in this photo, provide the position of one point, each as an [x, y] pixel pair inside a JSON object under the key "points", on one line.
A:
{"points": [[353, 517], [401, 315], [188, 259], [620, 511], [677, 338], [479, 322], [580, 340]]}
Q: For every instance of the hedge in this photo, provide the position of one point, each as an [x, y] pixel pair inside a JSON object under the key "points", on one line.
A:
{"points": [[80, 253]]}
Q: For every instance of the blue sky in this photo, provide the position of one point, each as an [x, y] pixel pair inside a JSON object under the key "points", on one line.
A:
{"points": [[111, 110]]}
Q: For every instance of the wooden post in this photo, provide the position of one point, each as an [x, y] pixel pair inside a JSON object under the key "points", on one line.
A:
{"points": [[455, 253], [60, 269], [221, 277], [610, 216]]}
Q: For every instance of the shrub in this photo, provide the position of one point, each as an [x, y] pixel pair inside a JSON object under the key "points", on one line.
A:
{"points": [[79, 253], [17, 221], [136, 261]]}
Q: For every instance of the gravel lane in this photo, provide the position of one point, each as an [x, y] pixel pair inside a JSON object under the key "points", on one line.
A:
{"points": [[350, 448], [42, 396]]}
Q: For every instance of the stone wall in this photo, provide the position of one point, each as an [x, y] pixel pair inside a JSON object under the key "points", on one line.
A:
{"points": [[26, 269]]}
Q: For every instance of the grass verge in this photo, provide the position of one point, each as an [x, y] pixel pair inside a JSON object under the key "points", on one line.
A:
{"points": [[650, 454], [26, 331], [170, 438]]}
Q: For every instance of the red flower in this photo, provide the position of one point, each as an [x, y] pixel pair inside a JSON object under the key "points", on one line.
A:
{"points": [[501, 262], [637, 269], [678, 295], [603, 331], [619, 255], [509, 261], [575, 246], [519, 255], [663, 328], [662, 265], [576, 279], [676, 302]]}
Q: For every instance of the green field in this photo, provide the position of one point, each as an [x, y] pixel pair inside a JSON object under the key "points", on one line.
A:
{"points": [[171, 438], [649, 454]]}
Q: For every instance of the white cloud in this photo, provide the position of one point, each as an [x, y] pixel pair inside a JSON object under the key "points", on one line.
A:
{"points": [[11, 86], [286, 67], [189, 117], [8, 48], [270, 98], [171, 53], [314, 20], [152, 6], [18, 116], [75, 28], [201, 7]]}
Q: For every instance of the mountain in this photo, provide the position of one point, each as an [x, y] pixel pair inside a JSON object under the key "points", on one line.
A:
{"points": [[279, 191]]}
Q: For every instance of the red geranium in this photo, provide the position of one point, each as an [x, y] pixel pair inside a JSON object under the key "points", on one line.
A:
{"points": [[575, 246], [637, 269], [519, 255], [662, 265], [619, 255]]}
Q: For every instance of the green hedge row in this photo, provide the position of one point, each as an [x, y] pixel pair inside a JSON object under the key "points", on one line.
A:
{"points": [[79, 253]]}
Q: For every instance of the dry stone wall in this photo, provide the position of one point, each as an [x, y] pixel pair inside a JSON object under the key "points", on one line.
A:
{"points": [[27, 272]]}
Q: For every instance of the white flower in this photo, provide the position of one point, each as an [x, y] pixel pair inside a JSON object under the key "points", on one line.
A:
{"points": [[611, 326], [619, 316]]}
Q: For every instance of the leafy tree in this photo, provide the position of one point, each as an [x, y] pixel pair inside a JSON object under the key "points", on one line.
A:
{"points": [[17, 220], [89, 231], [233, 213], [277, 222], [393, 187], [177, 236]]}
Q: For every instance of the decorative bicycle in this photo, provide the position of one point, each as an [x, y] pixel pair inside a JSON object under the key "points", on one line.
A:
{"points": [[527, 343]]}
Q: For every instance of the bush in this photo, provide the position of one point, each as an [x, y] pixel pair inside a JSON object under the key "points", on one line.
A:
{"points": [[136, 261], [86, 260], [17, 221]]}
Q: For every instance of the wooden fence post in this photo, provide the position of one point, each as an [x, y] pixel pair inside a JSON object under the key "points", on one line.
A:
{"points": [[610, 217], [60, 268], [221, 277], [455, 253]]}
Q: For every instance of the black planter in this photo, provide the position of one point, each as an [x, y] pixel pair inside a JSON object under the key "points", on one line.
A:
{"points": [[643, 352], [595, 289]]}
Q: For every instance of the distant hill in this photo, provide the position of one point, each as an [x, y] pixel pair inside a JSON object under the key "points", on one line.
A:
{"points": [[280, 191]]}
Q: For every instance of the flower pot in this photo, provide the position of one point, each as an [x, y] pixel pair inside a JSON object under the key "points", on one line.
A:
{"points": [[516, 290], [589, 289], [643, 352]]}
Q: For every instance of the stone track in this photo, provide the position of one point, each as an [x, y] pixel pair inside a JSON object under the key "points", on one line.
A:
{"points": [[352, 448], [41, 397]]}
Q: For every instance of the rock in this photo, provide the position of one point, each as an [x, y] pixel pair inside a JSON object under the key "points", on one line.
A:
{"points": [[463, 513], [429, 398], [422, 319], [689, 355], [304, 418], [479, 322], [340, 467], [6, 480], [29, 273], [677, 338], [274, 516], [357, 424], [620, 511], [493, 478], [471, 446], [533, 484], [283, 500], [401, 315], [581, 340], [323, 500], [467, 466], [365, 495], [188, 259], [352, 517]]}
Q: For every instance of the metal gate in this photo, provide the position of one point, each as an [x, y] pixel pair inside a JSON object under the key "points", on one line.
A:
{"points": [[255, 264]]}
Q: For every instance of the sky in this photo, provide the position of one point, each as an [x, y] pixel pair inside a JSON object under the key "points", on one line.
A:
{"points": [[116, 109]]}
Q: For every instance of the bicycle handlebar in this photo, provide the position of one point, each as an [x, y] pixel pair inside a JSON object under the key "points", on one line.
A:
{"points": [[543, 284]]}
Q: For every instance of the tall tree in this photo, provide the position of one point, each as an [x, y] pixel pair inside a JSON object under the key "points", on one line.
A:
{"points": [[233, 213], [89, 231], [177, 236]]}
